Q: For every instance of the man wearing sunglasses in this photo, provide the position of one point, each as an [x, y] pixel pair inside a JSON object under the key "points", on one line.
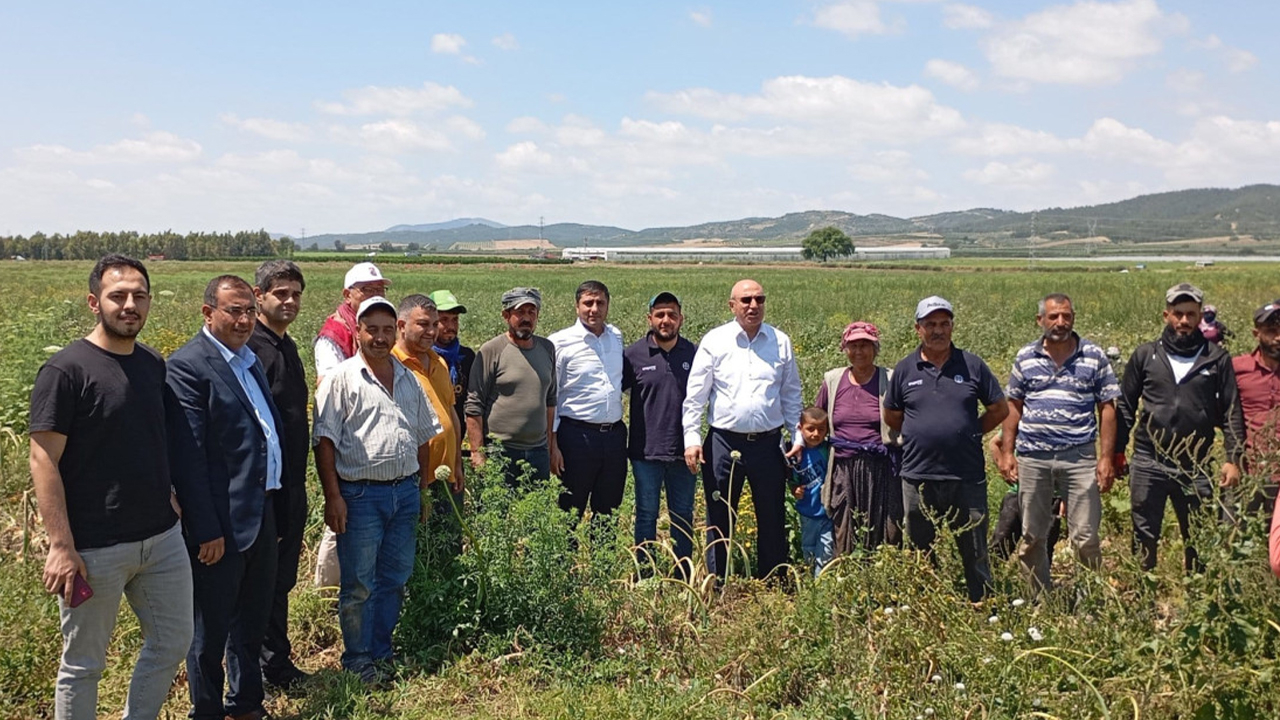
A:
{"points": [[745, 375]]}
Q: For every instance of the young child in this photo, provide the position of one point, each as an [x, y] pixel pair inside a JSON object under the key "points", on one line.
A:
{"points": [[810, 471]]}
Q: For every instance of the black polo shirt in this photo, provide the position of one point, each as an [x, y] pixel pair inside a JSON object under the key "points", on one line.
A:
{"points": [[657, 380], [941, 432]]}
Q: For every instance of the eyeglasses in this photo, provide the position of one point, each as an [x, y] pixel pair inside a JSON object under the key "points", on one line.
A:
{"points": [[748, 299], [239, 312]]}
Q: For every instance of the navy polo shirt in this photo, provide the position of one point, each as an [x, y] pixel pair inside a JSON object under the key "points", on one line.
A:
{"points": [[941, 432], [657, 380]]}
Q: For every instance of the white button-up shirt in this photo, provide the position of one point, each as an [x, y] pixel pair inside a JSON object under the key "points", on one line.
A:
{"points": [[375, 433], [752, 385], [588, 374]]}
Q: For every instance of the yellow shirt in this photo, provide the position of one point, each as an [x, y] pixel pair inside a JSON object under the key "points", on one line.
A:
{"points": [[438, 387]]}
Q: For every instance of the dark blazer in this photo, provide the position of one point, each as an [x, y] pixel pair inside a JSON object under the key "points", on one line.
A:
{"points": [[217, 452]]}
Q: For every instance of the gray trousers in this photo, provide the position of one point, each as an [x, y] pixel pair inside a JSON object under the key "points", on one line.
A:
{"points": [[1071, 474]]}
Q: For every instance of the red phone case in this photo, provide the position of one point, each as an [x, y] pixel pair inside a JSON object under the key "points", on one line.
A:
{"points": [[80, 591]]}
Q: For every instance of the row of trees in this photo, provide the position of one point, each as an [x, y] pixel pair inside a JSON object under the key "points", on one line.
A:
{"points": [[89, 245]]}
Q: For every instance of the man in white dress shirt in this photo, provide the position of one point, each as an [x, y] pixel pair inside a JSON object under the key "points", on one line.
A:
{"points": [[589, 434], [746, 372]]}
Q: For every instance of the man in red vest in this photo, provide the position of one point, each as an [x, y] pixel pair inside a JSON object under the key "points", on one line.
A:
{"points": [[335, 343]]}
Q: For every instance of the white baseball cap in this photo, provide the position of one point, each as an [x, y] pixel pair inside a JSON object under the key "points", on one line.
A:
{"points": [[373, 302], [362, 273], [933, 303]]}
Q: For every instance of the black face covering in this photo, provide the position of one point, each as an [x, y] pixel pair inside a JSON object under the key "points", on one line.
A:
{"points": [[1184, 345]]}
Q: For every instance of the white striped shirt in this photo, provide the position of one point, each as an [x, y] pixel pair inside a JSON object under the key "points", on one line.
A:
{"points": [[376, 434]]}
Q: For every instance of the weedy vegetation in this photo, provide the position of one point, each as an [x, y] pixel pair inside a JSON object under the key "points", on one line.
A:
{"points": [[517, 610]]}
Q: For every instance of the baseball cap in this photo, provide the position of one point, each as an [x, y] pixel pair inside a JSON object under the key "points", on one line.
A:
{"points": [[362, 273], [374, 302], [664, 298], [1183, 290], [931, 304], [515, 297], [446, 301], [860, 331], [1266, 313]]}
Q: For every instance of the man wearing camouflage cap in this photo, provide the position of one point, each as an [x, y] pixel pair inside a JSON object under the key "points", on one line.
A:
{"points": [[1188, 391], [511, 394]]}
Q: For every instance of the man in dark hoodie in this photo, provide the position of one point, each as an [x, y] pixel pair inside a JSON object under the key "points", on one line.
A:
{"points": [[1188, 390]]}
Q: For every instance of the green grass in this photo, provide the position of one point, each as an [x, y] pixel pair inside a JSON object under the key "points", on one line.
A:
{"points": [[560, 633]]}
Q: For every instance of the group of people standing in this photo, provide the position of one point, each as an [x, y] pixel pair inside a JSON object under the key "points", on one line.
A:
{"points": [[180, 484]]}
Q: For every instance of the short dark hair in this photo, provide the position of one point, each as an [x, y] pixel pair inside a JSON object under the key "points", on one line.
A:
{"points": [[273, 271], [595, 287], [416, 300], [1054, 297], [114, 260], [813, 414], [231, 281]]}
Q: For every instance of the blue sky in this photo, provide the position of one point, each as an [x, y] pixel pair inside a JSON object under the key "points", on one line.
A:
{"points": [[345, 117]]}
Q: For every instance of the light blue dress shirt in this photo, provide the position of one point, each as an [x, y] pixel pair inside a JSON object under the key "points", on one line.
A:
{"points": [[242, 362]]}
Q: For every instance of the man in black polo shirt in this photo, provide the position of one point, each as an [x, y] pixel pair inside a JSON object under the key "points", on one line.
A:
{"points": [[655, 369], [278, 286], [933, 399]]}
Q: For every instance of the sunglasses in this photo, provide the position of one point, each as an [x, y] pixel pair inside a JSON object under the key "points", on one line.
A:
{"points": [[749, 299]]}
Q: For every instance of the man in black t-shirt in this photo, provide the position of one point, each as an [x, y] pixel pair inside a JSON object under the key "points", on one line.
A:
{"points": [[277, 287], [100, 467], [933, 400]]}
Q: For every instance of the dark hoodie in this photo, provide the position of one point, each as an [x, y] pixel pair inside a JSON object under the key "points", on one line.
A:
{"points": [[1177, 420]]}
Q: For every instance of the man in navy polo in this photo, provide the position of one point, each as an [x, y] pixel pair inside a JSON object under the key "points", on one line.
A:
{"points": [[655, 369], [933, 400]]}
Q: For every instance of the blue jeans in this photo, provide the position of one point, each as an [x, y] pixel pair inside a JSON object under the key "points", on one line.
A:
{"points": [[375, 557], [155, 575], [650, 477], [816, 541]]}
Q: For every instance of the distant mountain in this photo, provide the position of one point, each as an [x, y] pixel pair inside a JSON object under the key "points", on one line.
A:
{"points": [[446, 225], [1253, 210]]}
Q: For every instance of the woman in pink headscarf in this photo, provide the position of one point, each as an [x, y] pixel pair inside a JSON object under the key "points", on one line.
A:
{"points": [[862, 493]]}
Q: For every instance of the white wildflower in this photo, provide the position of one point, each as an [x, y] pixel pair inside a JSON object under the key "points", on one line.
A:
{"points": [[1035, 633], [1019, 602], [1006, 636], [993, 619], [960, 687]]}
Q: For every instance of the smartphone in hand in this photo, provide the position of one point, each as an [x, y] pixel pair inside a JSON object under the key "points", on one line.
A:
{"points": [[80, 591]]}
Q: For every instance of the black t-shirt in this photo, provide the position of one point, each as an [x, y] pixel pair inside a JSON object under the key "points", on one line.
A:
{"points": [[941, 430], [287, 379], [115, 468]]}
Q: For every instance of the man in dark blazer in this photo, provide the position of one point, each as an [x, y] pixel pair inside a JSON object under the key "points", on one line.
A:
{"points": [[224, 445]]}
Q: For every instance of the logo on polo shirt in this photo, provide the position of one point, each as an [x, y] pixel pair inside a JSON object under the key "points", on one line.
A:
{"points": [[647, 368], [914, 383], [959, 378], [684, 365]]}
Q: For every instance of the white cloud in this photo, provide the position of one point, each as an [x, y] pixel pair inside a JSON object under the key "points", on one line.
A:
{"points": [[1086, 43], [1184, 81], [152, 147], [401, 135], [272, 161], [396, 101], [1020, 173], [951, 73], [701, 16], [506, 41], [997, 139], [958, 16], [856, 109], [268, 128], [465, 127], [1110, 138], [447, 43], [526, 125], [1236, 60], [854, 18], [525, 156]]}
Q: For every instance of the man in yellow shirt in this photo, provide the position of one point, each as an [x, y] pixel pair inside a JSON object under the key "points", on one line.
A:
{"points": [[416, 331]]}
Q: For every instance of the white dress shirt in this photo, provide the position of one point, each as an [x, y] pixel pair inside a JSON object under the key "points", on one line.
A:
{"points": [[375, 433], [751, 385], [242, 362], [588, 374]]}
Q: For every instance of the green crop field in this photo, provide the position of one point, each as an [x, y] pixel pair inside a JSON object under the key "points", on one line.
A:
{"points": [[523, 627]]}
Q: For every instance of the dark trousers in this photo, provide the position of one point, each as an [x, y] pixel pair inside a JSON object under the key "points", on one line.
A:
{"points": [[1150, 485], [538, 459], [276, 649], [963, 506], [595, 466], [232, 603], [763, 466]]}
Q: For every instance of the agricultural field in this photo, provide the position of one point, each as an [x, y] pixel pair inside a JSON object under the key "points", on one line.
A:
{"points": [[520, 626]]}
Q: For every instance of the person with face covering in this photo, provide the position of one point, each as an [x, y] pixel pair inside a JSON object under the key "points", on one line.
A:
{"points": [[1187, 388], [862, 492]]}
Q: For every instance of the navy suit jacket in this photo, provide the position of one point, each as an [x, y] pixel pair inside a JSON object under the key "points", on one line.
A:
{"points": [[217, 452]]}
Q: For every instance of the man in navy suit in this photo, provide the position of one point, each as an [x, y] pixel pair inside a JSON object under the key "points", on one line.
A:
{"points": [[224, 447]]}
